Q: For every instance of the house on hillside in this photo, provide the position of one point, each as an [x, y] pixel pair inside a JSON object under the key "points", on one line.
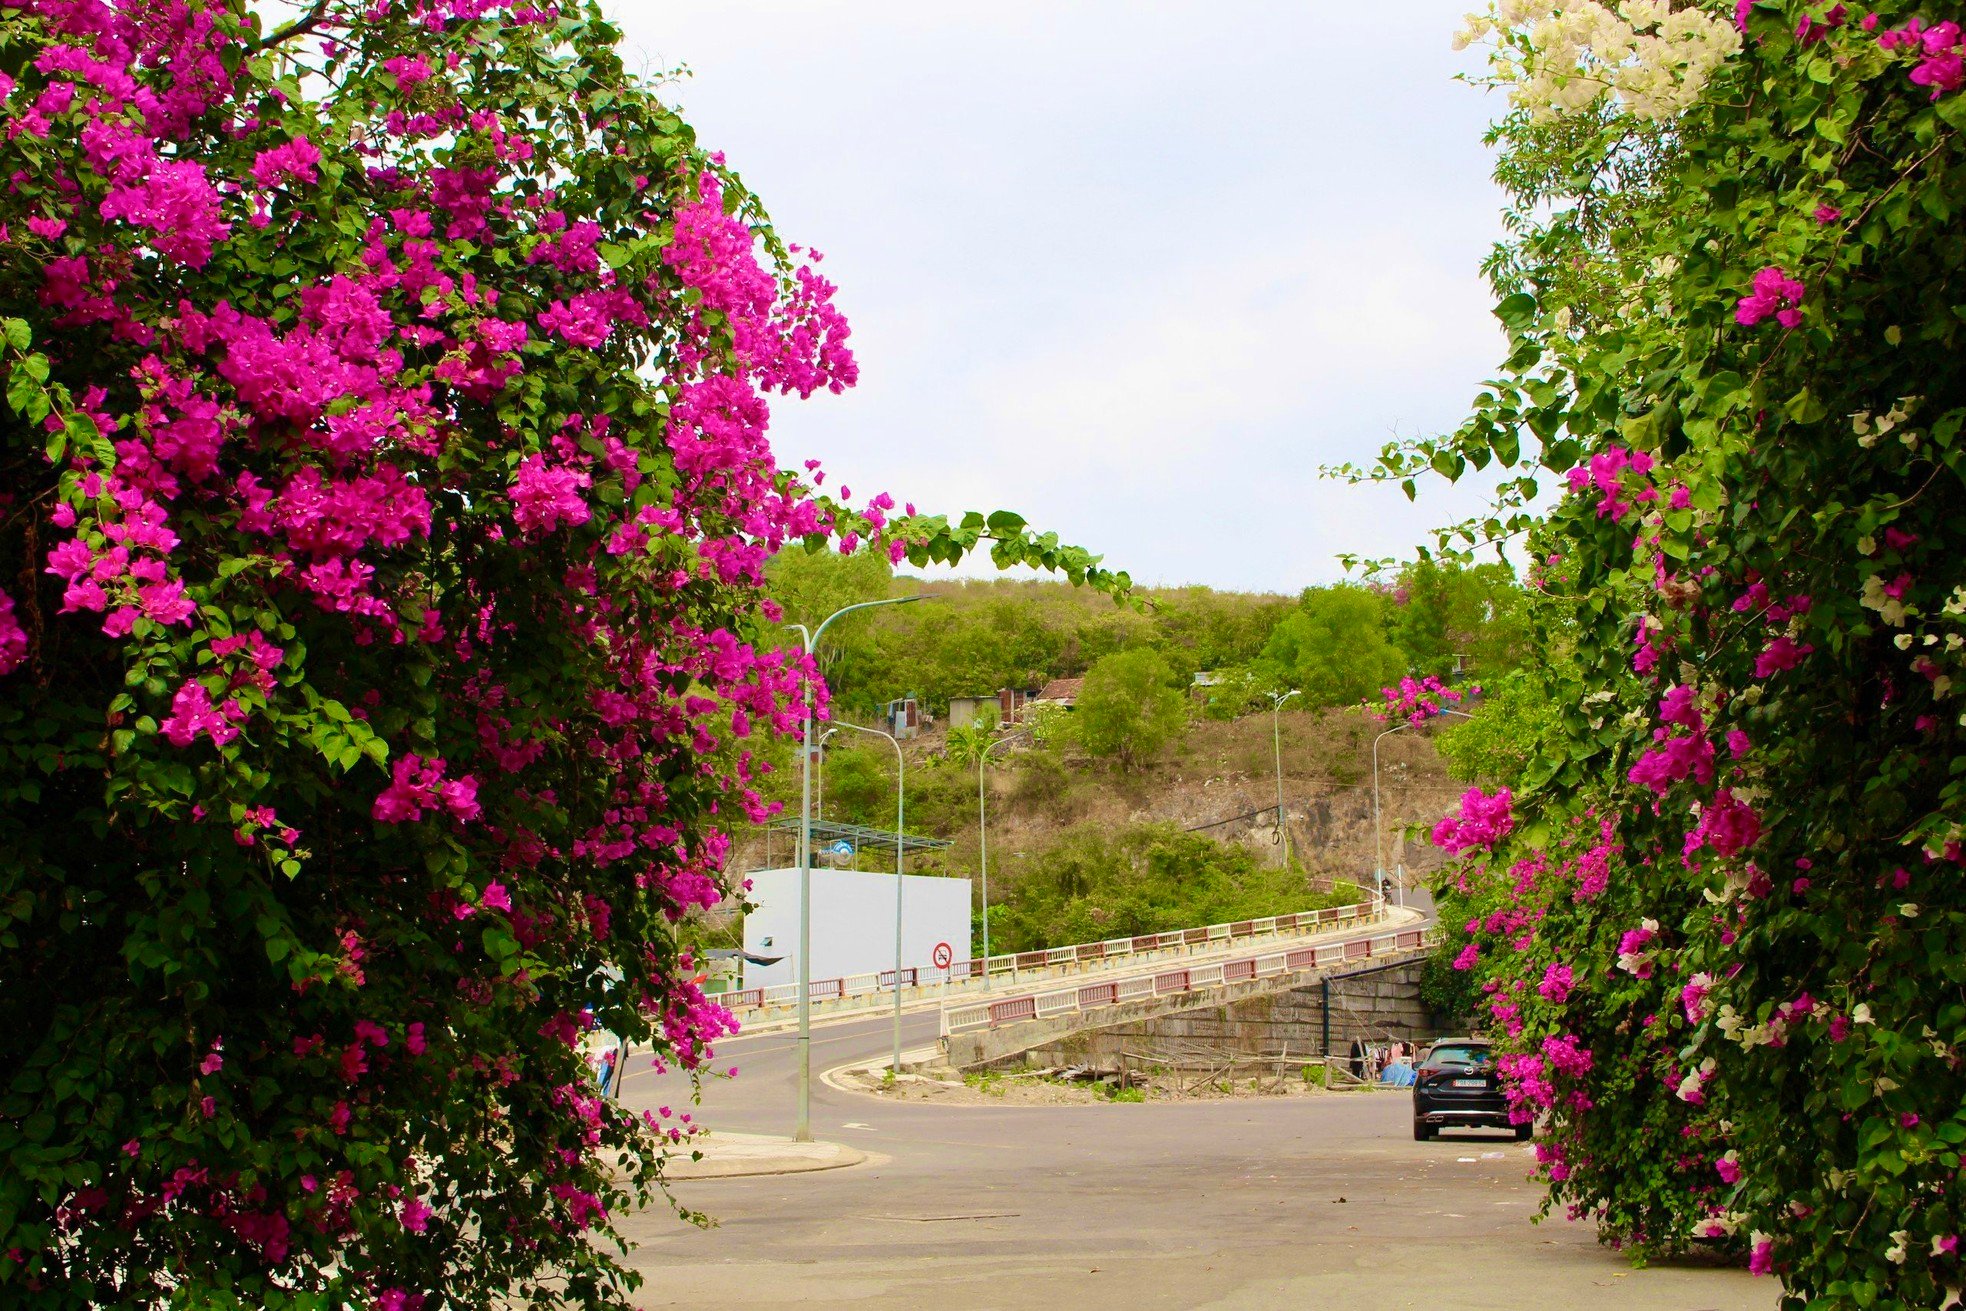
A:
{"points": [[902, 717], [1063, 692], [1008, 702], [964, 710]]}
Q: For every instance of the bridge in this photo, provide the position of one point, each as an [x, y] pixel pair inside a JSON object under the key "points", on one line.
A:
{"points": [[760, 1008], [988, 1010], [985, 1031]]}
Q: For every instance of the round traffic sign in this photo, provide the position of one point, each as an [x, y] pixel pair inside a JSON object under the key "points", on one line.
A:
{"points": [[942, 956]]}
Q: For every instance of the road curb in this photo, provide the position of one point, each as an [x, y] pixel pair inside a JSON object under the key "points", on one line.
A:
{"points": [[751, 1155]]}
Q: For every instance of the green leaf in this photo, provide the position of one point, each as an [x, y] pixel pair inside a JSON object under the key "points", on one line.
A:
{"points": [[22, 392], [1517, 312]]}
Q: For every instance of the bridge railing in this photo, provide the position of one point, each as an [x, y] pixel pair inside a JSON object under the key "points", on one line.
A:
{"points": [[988, 1013], [958, 974]]}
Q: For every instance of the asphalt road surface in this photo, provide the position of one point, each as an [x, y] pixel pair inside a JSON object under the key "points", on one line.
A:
{"points": [[1252, 1203]]}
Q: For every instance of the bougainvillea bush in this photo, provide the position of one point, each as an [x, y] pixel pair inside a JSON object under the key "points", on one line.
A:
{"points": [[384, 499], [1720, 920]]}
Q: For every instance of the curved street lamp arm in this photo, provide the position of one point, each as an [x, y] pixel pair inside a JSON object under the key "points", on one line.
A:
{"points": [[849, 609]]}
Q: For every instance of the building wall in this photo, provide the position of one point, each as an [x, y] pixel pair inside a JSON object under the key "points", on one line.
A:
{"points": [[852, 922], [964, 709]]}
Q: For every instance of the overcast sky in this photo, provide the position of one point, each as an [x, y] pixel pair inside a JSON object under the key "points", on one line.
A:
{"points": [[1135, 270]]}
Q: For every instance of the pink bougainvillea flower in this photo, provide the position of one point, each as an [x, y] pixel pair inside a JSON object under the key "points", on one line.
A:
{"points": [[1556, 984], [1482, 821], [1776, 293], [544, 497], [418, 785], [13, 638], [1418, 700], [193, 714], [1817, 27], [294, 161]]}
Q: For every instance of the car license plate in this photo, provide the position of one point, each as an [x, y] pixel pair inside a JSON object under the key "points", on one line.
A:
{"points": [[1470, 1083]]}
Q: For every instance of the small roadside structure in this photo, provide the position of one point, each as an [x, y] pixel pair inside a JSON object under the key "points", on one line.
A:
{"points": [[964, 710], [902, 717], [1008, 702]]}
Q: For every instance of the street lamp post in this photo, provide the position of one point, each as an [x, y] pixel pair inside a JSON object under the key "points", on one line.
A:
{"points": [[1276, 740], [900, 845], [983, 846], [819, 776], [1378, 839], [802, 1129]]}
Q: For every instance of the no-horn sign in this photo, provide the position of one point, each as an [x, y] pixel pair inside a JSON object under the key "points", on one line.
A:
{"points": [[943, 956]]}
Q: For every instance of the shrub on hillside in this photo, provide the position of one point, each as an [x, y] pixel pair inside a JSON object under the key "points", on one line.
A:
{"points": [[1128, 710], [1094, 882]]}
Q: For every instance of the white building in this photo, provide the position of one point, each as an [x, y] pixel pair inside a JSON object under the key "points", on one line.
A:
{"points": [[852, 923]]}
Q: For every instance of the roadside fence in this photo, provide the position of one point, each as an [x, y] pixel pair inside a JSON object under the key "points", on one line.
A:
{"points": [[1076, 958]]}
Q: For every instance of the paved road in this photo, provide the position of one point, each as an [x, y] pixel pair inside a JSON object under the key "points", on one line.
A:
{"points": [[762, 1097], [1234, 1204]]}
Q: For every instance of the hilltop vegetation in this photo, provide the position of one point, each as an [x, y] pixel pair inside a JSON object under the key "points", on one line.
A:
{"points": [[1339, 644], [1091, 810]]}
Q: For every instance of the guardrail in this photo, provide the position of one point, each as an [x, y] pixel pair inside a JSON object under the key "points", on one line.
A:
{"points": [[1012, 964], [989, 1013]]}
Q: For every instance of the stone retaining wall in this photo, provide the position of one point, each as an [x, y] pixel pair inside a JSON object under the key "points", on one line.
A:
{"points": [[1374, 1004]]}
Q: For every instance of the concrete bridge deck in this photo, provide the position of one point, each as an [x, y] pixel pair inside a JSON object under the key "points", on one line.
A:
{"points": [[988, 1030], [1088, 963]]}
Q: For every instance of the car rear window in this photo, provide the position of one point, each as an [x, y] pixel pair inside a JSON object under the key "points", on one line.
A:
{"points": [[1459, 1054]]}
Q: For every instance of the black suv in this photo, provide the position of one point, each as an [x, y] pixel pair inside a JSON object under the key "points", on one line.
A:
{"points": [[1455, 1087]]}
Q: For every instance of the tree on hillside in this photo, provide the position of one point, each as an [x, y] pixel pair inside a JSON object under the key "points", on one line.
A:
{"points": [[1197, 628], [1444, 609], [967, 742], [809, 585], [1333, 646], [1126, 710], [1514, 721]]}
